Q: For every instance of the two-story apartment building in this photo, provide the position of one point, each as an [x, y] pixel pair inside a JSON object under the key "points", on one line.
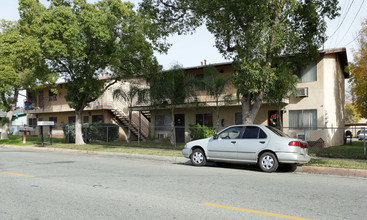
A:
{"points": [[47, 105], [316, 113]]}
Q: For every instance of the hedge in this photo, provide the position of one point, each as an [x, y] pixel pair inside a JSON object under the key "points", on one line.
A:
{"points": [[198, 132]]}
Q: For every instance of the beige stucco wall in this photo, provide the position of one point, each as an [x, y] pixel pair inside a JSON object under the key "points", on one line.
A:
{"points": [[226, 113], [62, 118], [334, 86], [326, 95], [46, 107]]}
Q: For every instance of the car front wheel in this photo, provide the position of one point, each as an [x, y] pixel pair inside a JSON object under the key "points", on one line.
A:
{"points": [[198, 158], [268, 162]]}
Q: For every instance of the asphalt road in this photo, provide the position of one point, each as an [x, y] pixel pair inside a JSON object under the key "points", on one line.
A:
{"points": [[58, 185]]}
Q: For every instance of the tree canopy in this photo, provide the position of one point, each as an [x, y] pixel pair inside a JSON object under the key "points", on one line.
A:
{"points": [[82, 40], [351, 113], [358, 70], [21, 67], [252, 33], [172, 87]]}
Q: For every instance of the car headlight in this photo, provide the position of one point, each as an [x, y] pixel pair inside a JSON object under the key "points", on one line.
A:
{"points": [[185, 145]]}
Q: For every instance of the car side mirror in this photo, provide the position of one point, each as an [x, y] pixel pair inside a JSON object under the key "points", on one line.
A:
{"points": [[215, 136]]}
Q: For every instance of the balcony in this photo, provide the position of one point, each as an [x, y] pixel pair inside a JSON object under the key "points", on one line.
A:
{"points": [[50, 105]]}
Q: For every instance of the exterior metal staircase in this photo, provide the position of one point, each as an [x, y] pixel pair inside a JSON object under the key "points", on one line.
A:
{"points": [[123, 119]]}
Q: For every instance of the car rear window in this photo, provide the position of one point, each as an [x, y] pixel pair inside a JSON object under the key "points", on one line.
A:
{"points": [[277, 131], [252, 132]]}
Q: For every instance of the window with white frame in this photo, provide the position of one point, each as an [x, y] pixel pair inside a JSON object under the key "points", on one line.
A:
{"points": [[307, 74], [303, 119]]}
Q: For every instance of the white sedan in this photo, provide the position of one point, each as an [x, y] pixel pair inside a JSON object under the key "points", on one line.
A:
{"points": [[257, 144], [362, 135]]}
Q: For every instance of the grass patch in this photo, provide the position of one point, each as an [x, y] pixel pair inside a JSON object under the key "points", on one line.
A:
{"points": [[129, 150], [348, 151], [18, 140], [338, 163]]}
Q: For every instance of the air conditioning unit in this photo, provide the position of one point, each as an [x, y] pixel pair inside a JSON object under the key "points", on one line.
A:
{"points": [[302, 92], [301, 136], [162, 135]]}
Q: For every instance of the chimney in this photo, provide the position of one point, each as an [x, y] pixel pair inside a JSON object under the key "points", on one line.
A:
{"points": [[201, 62], [204, 61]]}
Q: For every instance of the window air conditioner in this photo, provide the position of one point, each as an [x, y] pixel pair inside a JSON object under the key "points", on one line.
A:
{"points": [[302, 92], [162, 135], [301, 136]]}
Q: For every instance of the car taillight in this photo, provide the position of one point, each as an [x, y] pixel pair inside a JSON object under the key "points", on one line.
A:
{"points": [[303, 145], [298, 144]]}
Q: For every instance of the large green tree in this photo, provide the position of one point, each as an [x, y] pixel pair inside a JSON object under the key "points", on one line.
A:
{"points": [[82, 40], [358, 70], [172, 87], [21, 67], [252, 33], [284, 85]]}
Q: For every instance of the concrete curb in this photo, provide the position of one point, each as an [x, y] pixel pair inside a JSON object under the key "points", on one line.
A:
{"points": [[335, 171], [305, 169]]}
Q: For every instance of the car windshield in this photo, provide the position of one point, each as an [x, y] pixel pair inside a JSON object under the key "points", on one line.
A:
{"points": [[363, 131], [277, 132]]}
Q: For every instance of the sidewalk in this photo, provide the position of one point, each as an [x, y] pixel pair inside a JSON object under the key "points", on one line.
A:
{"points": [[305, 169]]}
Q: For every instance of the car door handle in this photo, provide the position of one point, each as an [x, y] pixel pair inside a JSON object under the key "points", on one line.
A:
{"points": [[262, 142], [233, 142]]}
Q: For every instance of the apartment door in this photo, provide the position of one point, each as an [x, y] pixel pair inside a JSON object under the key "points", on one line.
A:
{"points": [[274, 118], [180, 128]]}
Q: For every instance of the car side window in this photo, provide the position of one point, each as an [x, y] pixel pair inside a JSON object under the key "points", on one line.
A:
{"points": [[262, 134], [230, 133], [252, 132]]}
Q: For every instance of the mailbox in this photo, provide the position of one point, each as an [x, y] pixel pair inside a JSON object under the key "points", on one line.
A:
{"points": [[25, 129], [41, 124]]}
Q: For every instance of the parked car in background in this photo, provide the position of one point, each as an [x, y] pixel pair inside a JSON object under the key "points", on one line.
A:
{"points": [[362, 135], [249, 144]]}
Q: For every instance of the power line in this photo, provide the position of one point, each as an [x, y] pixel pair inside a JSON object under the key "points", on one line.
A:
{"points": [[342, 20], [342, 12], [353, 39], [360, 7]]}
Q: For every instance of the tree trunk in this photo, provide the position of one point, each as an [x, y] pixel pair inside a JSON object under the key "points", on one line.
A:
{"points": [[280, 118], [173, 132], [217, 127], [249, 110], [129, 129], [78, 127], [9, 115]]}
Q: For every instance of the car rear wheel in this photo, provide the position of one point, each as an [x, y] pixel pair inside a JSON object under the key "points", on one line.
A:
{"points": [[268, 162], [198, 158]]}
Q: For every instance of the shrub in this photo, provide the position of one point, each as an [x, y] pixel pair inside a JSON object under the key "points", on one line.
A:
{"points": [[197, 131], [92, 132]]}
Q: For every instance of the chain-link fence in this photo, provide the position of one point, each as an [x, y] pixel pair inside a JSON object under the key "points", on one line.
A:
{"points": [[320, 137]]}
